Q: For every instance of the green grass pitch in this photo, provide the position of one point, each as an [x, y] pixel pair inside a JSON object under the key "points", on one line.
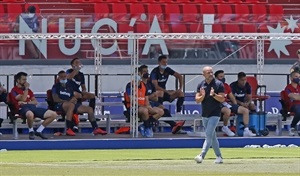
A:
{"points": [[151, 162]]}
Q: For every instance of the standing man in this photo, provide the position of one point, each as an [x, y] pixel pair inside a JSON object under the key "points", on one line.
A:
{"points": [[241, 90], [159, 77], [296, 66], [293, 92], [77, 76], [210, 93], [153, 98], [24, 100], [230, 105], [66, 101]]}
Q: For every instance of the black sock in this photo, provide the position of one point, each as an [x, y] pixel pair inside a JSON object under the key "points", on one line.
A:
{"points": [[1, 120], [92, 103], [94, 124], [69, 124], [160, 100], [179, 104], [168, 114], [147, 123]]}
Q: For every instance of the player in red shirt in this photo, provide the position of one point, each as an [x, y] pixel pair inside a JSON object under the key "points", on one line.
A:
{"points": [[230, 105], [24, 100], [293, 91]]}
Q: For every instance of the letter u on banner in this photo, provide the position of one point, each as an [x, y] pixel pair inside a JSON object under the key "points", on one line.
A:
{"points": [[62, 46]]}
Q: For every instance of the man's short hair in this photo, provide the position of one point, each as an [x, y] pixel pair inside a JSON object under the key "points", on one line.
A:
{"points": [[73, 60], [218, 72], [293, 72], [161, 57], [61, 72], [142, 67], [31, 9], [241, 75], [19, 75]]}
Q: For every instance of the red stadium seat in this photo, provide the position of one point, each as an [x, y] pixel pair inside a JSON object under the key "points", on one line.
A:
{"points": [[178, 28], [242, 13], [207, 9], [224, 9], [259, 13], [155, 9], [136, 10], [120, 12], [249, 28], [172, 13], [124, 28], [14, 10], [11, 1], [217, 28], [276, 13], [190, 12], [196, 28], [232, 28], [142, 28], [101, 10]]}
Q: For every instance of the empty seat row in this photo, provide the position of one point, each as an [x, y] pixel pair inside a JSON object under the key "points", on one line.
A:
{"points": [[172, 1]]}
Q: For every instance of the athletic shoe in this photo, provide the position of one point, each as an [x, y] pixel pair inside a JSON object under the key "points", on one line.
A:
{"points": [[292, 132], [181, 131], [227, 131], [31, 135], [148, 132], [142, 130], [70, 132], [198, 158], [219, 160], [248, 133], [41, 135], [99, 131], [177, 127]]}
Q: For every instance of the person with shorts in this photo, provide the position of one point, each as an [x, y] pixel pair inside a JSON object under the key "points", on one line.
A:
{"points": [[159, 77], [241, 90], [77, 77], [66, 101], [145, 110], [293, 92], [25, 101], [230, 106], [153, 98]]}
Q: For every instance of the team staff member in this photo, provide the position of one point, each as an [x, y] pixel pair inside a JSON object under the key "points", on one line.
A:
{"points": [[24, 100], [63, 95], [77, 76], [293, 92], [153, 98], [159, 77], [296, 66], [210, 93], [230, 105]]}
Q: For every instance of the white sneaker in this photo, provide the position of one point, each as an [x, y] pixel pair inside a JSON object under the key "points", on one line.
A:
{"points": [[198, 158], [248, 133], [292, 132], [219, 160], [227, 131]]}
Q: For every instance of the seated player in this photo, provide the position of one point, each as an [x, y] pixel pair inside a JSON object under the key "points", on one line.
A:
{"points": [[3, 98], [153, 98], [63, 96], [24, 100], [159, 77], [241, 90], [230, 105], [293, 91], [144, 108], [77, 76]]}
